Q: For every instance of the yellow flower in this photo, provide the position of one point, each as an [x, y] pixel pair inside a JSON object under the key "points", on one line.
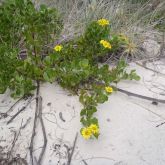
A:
{"points": [[86, 133], [103, 22], [102, 41], [58, 48], [109, 89], [106, 44], [94, 128]]}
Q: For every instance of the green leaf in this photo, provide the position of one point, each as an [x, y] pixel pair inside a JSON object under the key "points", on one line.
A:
{"points": [[2, 89], [84, 63], [91, 111], [134, 76], [46, 77], [94, 121], [47, 60], [83, 112], [49, 75], [101, 98]]}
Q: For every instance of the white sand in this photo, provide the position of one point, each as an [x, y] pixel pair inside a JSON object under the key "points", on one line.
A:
{"points": [[129, 135]]}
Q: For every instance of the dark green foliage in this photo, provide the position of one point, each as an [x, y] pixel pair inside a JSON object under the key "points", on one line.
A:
{"points": [[74, 66], [23, 27]]}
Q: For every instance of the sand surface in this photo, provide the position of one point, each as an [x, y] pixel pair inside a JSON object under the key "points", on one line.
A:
{"points": [[129, 126]]}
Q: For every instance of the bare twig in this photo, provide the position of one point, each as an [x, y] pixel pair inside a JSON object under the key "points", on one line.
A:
{"points": [[160, 124], [84, 162], [26, 123], [35, 124], [155, 71], [43, 131], [38, 116], [147, 109], [141, 96], [72, 151], [16, 135], [22, 109], [15, 104], [98, 158], [61, 117]]}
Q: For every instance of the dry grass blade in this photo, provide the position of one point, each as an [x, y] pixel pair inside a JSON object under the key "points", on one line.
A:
{"points": [[135, 20]]}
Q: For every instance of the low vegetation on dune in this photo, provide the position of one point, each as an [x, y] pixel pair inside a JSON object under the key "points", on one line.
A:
{"points": [[139, 20], [75, 64], [83, 46]]}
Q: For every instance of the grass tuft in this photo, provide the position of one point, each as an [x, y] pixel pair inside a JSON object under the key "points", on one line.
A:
{"points": [[136, 19]]}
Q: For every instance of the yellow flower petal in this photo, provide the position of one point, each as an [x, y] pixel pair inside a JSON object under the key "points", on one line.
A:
{"points": [[103, 22], [58, 48], [109, 89], [105, 44], [94, 128], [102, 41], [86, 133]]}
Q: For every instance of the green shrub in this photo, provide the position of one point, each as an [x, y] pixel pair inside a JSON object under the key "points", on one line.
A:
{"points": [[73, 64], [76, 68], [23, 27]]}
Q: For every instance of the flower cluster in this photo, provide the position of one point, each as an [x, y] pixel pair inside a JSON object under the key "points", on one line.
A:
{"points": [[103, 22], [87, 132], [105, 44], [97, 40]]}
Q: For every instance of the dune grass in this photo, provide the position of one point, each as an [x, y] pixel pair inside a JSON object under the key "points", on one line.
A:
{"points": [[136, 19]]}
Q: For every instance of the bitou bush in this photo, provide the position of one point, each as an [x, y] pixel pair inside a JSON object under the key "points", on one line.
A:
{"points": [[77, 69], [74, 64]]}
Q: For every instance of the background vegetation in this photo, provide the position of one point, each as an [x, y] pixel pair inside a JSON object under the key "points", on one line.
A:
{"points": [[70, 44]]}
